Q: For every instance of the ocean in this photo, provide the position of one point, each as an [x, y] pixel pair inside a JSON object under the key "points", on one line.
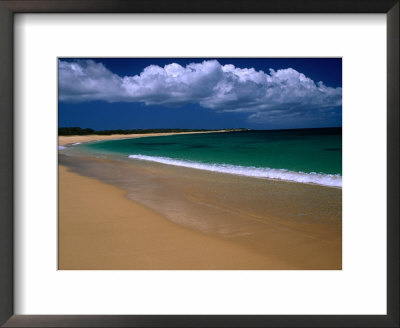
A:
{"points": [[312, 156]]}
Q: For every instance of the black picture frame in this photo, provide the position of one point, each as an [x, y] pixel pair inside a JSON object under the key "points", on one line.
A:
{"points": [[10, 7]]}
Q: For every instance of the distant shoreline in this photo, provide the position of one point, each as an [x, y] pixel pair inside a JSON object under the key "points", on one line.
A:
{"points": [[70, 139], [71, 131]]}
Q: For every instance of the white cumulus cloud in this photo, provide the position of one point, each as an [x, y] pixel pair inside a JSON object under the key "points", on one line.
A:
{"points": [[265, 96]]}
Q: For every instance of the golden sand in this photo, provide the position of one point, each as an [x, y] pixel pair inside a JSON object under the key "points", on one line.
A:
{"points": [[99, 228]]}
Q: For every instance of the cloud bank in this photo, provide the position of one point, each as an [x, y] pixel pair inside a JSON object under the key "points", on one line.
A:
{"points": [[285, 93]]}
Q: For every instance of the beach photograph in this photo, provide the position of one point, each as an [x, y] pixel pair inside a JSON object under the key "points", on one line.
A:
{"points": [[199, 163]]}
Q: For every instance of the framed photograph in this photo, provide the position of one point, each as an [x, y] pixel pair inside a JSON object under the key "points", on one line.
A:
{"points": [[217, 164]]}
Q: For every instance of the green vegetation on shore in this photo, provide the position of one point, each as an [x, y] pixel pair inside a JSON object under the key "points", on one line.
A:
{"points": [[73, 131]]}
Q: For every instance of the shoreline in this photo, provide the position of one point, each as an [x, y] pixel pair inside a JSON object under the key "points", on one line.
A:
{"points": [[66, 140], [330, 180]]}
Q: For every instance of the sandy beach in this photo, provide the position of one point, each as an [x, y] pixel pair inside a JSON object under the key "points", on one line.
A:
{"points": [[133, 216], [65, 140], [99, 228]]}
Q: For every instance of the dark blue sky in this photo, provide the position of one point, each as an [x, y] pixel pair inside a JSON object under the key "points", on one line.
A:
{"points": [[90, 93]]}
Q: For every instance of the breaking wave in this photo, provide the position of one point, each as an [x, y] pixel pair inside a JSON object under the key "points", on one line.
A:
{"points": [[331, 180]]}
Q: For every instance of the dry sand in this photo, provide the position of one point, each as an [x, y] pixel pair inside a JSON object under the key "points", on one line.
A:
{"points": [[99, 228]]}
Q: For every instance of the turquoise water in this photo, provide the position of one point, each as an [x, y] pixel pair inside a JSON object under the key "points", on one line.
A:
{"points": [[306, 155]]}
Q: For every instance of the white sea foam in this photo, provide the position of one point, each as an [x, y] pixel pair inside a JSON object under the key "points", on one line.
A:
{"points": [[331, 180], [61, 147], [76, 143]]}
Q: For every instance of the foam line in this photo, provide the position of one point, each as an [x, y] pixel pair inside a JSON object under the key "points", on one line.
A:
{"points": [[331, 180]]}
